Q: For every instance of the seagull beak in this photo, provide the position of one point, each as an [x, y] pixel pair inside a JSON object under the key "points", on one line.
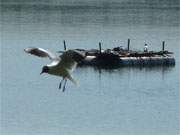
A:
{"points": [[41, 73]]}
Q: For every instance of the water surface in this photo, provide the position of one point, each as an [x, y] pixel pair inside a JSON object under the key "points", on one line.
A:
{"points": [[128, 100]]}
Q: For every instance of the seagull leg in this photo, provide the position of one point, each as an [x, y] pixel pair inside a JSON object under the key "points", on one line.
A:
{"points": [[64, 87], [61, 83]]}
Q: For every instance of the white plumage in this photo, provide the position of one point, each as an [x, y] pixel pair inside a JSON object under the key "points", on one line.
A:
{"points": [[61, 65]]}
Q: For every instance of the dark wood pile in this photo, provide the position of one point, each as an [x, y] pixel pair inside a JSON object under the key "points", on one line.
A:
{"points": [[120, 52]]}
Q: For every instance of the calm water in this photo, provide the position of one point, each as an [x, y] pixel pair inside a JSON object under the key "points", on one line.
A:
{"points": [[126, 101]]}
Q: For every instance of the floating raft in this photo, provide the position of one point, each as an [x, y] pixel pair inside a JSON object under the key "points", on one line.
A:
{"points": [[122, 57], [119, 56]]}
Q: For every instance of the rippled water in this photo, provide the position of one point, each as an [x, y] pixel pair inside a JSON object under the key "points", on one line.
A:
{"points": [[128, 100]]}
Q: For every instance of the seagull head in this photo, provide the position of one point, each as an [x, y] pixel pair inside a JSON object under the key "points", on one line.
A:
{"points": [[45, 69]]}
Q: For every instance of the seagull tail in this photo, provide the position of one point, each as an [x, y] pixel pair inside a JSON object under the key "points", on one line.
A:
{"points": [[73, 80]]}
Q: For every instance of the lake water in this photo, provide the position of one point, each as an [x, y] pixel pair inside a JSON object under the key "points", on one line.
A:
{"points": [[124, 101]]}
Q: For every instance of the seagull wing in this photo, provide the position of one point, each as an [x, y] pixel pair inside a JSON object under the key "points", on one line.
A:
{"points": [[41, 53], [70, 59]]}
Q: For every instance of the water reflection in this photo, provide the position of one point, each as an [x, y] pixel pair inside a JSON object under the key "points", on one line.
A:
{"points": [[114, 68]]}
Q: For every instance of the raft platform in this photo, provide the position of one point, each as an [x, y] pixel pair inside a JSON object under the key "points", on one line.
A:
{"points": [[118, 56]]}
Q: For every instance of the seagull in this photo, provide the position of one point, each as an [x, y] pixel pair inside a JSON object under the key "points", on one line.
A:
{"points": [[62, 65]]}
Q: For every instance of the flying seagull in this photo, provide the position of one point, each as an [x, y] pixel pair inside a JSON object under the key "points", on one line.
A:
{"points": [[61, 65]]}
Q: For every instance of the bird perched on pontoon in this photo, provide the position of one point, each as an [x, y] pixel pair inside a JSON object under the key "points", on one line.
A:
{"points": [[61, 65]]}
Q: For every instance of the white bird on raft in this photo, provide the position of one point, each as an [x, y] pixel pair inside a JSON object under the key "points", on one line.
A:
{"points": [[62, 65]]}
